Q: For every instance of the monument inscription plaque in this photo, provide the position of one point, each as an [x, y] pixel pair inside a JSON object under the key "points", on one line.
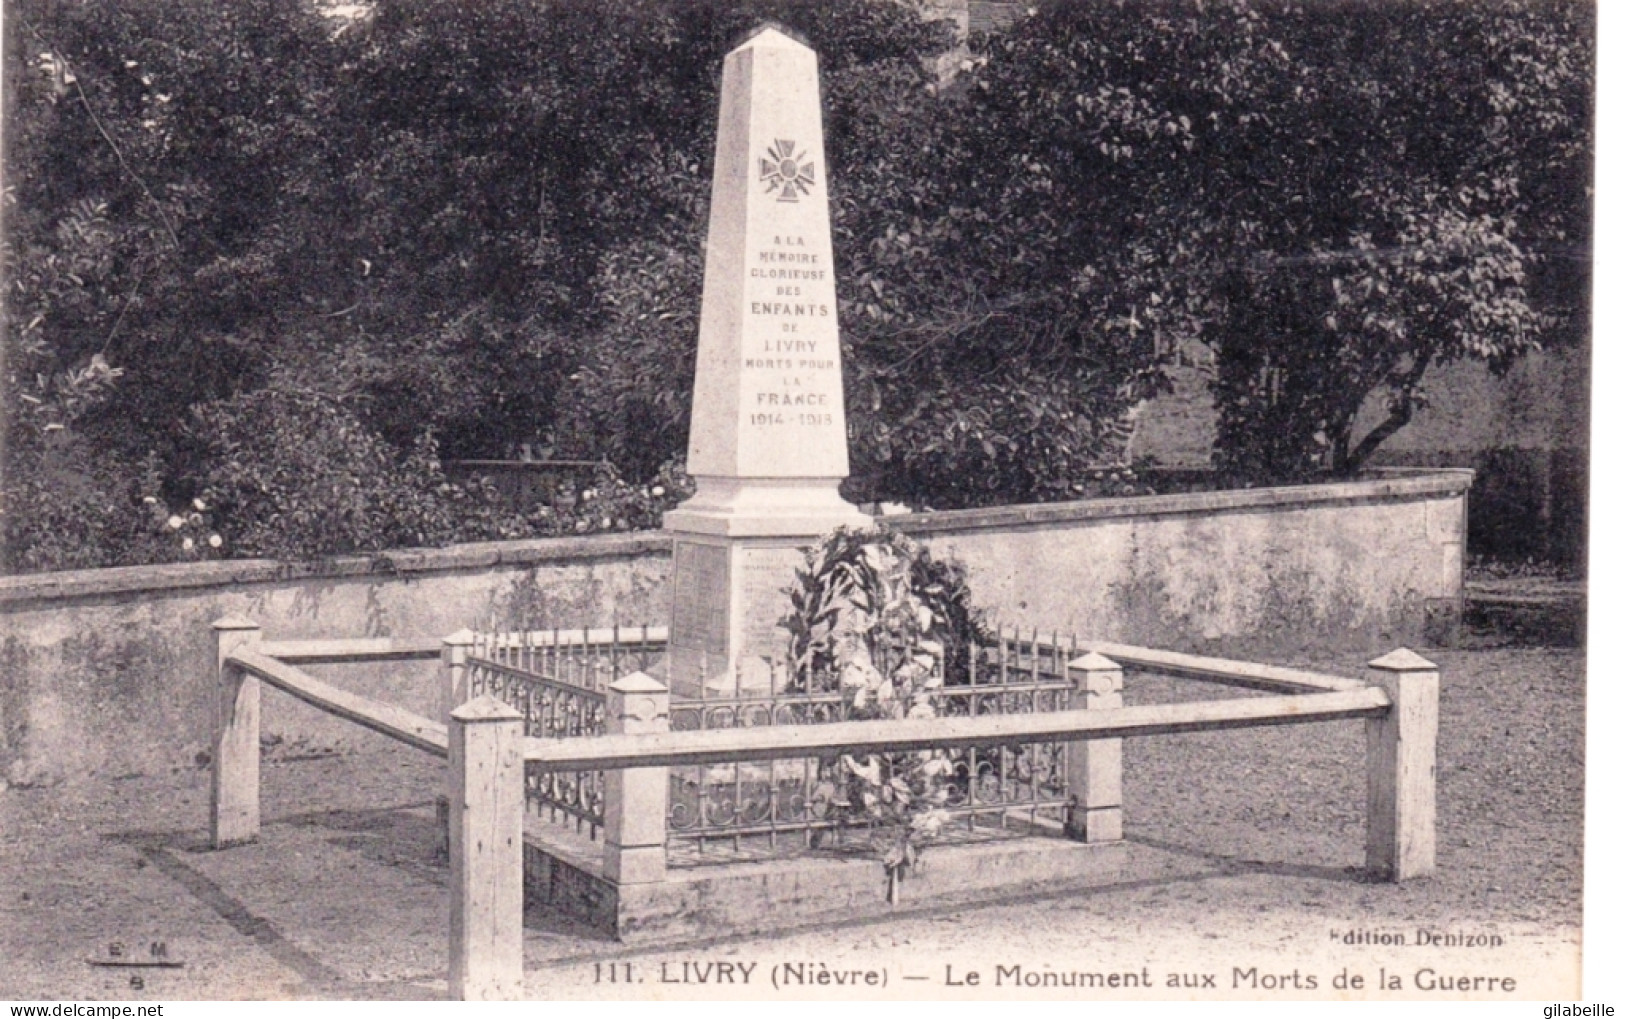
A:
{"points": [[699, 617], [764, 574]]}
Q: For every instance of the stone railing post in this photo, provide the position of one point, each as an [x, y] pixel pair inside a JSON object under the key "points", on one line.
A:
{"points": [[234, 790], [1401, 752], [635, 798], [487, 851], [1094, 768], [454, 651]]}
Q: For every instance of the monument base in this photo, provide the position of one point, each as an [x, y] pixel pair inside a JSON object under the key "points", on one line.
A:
{"points": [[564, 874], [735, 549], [764, 507]]}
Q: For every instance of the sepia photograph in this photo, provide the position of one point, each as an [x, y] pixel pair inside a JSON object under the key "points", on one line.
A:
{"points": [[775, 500]]}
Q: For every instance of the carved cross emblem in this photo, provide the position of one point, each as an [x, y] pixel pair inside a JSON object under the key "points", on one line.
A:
{"points": [[785, 172]]}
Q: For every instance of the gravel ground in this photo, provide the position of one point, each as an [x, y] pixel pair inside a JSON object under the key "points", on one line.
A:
{"points": [[1244, 856]]}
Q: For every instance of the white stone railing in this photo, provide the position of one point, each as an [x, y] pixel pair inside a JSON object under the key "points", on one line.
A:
{"points": [[488, 752]]}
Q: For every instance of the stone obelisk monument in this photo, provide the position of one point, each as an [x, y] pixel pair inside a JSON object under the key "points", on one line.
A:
{"points": [[767, 440]]}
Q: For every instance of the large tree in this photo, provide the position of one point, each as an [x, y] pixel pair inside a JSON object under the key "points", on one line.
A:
{"points": [[160, 247], [1422, 198], [420, 223], [1333, 195]]}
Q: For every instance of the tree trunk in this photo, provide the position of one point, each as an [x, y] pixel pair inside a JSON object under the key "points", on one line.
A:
{"points": [[1398, 417]]}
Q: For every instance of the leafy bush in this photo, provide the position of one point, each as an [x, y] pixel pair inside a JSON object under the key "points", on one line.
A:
{"points": [[294, 474], [608, 503], [67, 509], [631, 396]]}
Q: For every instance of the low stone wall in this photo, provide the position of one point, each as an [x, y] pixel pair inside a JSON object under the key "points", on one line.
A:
{"points": [[110, 672], [1364, 564]]}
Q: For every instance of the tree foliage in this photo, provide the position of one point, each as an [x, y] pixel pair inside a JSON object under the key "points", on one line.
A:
{"points": [[453, 228], [1332, 195], [428, 220], [1429, 209]]}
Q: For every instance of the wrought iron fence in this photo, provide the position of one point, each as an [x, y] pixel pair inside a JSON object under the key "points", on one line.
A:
{"points": [[753, 805], [1012, 676], [585, 659], [766, 807], [557, 679]]}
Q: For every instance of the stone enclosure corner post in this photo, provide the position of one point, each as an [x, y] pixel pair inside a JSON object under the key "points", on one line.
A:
{"points": [[1094, 768], [635, 798], [487, 851], [1401, 769], [454, 652], [234, 793]]}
